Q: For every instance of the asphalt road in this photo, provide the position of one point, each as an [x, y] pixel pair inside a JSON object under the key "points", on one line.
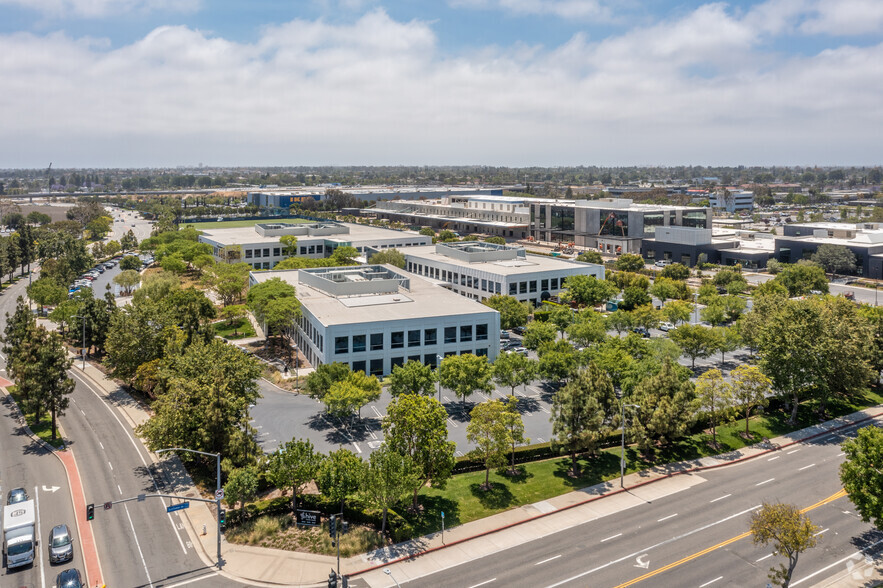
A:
{"points": [[693, 537]]}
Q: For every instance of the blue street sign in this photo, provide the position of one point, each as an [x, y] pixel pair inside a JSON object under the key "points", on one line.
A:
{"points": [[174, 507], [443, 514]]}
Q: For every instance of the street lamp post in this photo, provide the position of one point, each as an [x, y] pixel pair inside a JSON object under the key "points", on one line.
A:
{"points": [[217, 456], [438, 360], [622, 453], [83, 351], [389, 573]]}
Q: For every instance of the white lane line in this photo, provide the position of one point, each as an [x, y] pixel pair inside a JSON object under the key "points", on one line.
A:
{"points": [[611, 537], [646, 549], [356, 445], [776, 457], [483, 583], [666, 518], [547, 560], [837, 563], [138, 545], [453, 424], [764, 482], [37, 561], [805, 467], [764, 557], [840, 454], [820, 532], [377, 412], [83, 413], [120, 489], [711, 582], [100, 445], [110, 465], [792, 451], [192, 580], [721, 498]]}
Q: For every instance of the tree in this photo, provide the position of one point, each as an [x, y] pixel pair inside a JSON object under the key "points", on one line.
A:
{"points": [[293, 466], [620, 321], [390, 256], [241, 486], [667, 407], [127, 281], [802, 278], [715, 397], [412, 378], [790, 531], [128, 242], [587, 290], [677, 311], [136, 335], [347, 396], [666, 288], [862, 473], [47, 292], [750, 390], [465, 374], [192, 312], [629, 262], [174, 264], [515, 426], [130, 262], [588, 328], [582, 413], [633, 297], [227, 280], [512, 370], [513, 313], [645, 316], [590, 257], [232, 314], [836, 259], [38, 218], [695, 341], [319, 382], [289, 244], [558, 361], [387, 478], [487, 430], [726, 340], [427, 231], [274, 304], [111, 248], [416, 426], [446, 236], [339, 475], [538, 333], [675, 271]]}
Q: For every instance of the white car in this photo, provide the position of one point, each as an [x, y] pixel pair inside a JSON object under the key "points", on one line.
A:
{"points": [[662, 263], [666, 326]]}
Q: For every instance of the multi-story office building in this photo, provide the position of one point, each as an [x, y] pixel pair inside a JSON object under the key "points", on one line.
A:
{"points": [[260, 246], [375, 317], [864, 240], [480, 270], [732, 201]]}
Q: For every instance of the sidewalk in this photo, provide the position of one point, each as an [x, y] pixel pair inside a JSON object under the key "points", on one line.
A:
{"points": [[430, 553]]}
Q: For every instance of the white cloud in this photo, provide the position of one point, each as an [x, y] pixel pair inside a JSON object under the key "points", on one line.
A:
{"points": [[568, 9], [103, 8], [845, 17], [699, 89]]}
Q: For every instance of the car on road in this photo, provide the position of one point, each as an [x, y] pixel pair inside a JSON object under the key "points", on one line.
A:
{"points": [[642, 331], [69, 579], [16, 495], [61, 545], [666, 326], [521, 350]]}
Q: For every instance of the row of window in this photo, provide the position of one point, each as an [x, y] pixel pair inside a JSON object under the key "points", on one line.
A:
{"points": [[312, 249], [265, 252], [545, 285], [474, 282], [414, 338], [374, 367]]}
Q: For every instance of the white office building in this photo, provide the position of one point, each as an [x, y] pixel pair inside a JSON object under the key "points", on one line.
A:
{"points": [[480, 270], [375, 317], [260, 246]]}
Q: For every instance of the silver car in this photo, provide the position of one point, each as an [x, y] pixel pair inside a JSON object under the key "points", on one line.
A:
{"points": [[61, 545]]}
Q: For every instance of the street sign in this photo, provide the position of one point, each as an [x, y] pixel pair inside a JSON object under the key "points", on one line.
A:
{"points": [[108, 505], [308, 518], [174, 507], [219, 494]]}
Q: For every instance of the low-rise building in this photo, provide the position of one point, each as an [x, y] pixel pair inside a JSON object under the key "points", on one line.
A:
{"points": [[864, 240], [732, 200], [480, 270], [375, 317]]}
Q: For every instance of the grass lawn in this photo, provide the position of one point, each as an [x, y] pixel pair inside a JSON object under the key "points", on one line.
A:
{"points": [[235, 224], [43, 429], [239, 330]]}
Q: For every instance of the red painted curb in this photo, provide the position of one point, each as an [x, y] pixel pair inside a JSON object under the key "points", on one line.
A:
{"points": [[84, 528], [612, 493]]}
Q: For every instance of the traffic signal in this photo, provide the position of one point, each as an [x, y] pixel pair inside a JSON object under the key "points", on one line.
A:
{"points": [[344, 527], [332, 525], [344, 583], [332, 580], [222, 516], [90, 512]]}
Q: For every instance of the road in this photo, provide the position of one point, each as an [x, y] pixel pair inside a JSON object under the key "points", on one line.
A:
{"points": [[695, 537]]}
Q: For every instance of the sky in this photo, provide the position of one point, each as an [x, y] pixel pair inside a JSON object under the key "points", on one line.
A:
{"points": [[155, 83]]}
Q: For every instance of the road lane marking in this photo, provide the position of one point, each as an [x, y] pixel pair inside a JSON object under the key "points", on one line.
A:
{"points": [[776, 457], [611, 537], [483, 583], [37, 560], [805, 467], [377, 412], [721, 498], [711, 582], [767, 556], [84, 414], [138, 545], [547, 560], [840, 454], [120, 489], [356, 445], [764, 482], [820, 532], [837, 563], [666, 518], [192, 580], [792, 451], [100, 445], [453, 424]]}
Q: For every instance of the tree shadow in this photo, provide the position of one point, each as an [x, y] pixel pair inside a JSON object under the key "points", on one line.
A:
{"points": [[458, 411], [428, 518], [497, 497], [591, 469], [519, 476], [319, 422], [527, 405]]}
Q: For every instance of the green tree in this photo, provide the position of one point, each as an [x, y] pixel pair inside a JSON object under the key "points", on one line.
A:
{"points": [[790, 531], [629, 262], [561, 317], [513, 369], [390, 256], [646, 316], [412, 378], [836, 259], [348, 396], [319, 382], [192, 311], [633, 297], [293, 466], [589, 327], [620, 321], [695, 341], [128, 242], [174, 264], [388, 478], [750, 390], [233, 314], [582, 413], [488, 431], [677, 311], [726, 340], [241, 486], [675, 271], [427, 231], [587, 290], [416, 426], [538, 333], [339, 475], [667, 408], [802, 278], [46, 292], [515, 426], [512, 312], [289, 245], [558, 361], [273, 303], [715, 397], [227, 280], [130, 262], [465, 374], [447, 236], [590, 257], [862, 473], [127, 281], [667, 288]]}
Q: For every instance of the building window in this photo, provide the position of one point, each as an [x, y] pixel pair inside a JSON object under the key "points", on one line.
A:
{"points": [[497, 287], [376, 367], [483, 285], [341, 345], [544, 284], [311, 249], [358, 366], [398, 340], [513, 289], [465, 352], [554, 283], [481, 352], [429, 337], [522, 288], [694, 218], [319, 248], [376, 341], [481, 332], [450, 334], [430, 360], [248, 254], [303, 250], [414, 358], [358, 343], [414, 338], [533, 286], [465, 333], [277, 251], [396, 361]]}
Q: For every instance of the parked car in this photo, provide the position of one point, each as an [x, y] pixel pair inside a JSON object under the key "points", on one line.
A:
{"points": [[519, 330], [16, 495], [504, 335], [662, 263], [510, 345], [69, 579], [666, 326], [61, 544], [642, 331]]}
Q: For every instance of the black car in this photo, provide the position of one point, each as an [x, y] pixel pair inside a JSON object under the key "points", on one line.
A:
{"points": [[69, 579], [642, 331], [519, 330]]}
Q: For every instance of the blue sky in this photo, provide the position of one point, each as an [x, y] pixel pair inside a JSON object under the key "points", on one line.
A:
{"points": [[135, 83]]}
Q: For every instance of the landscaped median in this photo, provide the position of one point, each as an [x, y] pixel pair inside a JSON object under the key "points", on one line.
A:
{"points": [[42, 428]]}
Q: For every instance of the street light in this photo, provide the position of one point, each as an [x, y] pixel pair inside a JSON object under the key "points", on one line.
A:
{"points": [[389, 573], [622, 453], [83, 352], [217, 456], [438, 360]]}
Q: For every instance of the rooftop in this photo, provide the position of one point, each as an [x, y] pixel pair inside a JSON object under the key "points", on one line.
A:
{"points": [[509, 261], [350, 232]]}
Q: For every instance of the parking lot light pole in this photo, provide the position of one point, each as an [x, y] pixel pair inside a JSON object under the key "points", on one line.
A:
{"points": [[83, 352], [438, 361], [389, 573], [622, 454], [217, 456]]}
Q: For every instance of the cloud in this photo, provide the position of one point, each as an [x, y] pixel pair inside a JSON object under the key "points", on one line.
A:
{"points": [[845, 17], [568, 9], [103, 8], [697, 89]]}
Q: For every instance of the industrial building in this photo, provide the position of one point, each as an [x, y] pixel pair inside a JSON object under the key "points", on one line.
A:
{"points": [[375, 317], [864, 240]]}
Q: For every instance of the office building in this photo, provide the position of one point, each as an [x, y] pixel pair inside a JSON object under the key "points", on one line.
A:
{"points": [[864, 240]]}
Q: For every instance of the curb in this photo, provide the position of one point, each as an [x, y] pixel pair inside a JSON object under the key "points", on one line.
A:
{"points": [[613, 493]]}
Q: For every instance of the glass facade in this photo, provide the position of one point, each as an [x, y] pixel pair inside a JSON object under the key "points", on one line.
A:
{"points": [[653, 220], [695, 218], [614, 223]]}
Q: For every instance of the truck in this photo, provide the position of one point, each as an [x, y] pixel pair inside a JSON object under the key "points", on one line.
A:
{"points": [[19, 540]]}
